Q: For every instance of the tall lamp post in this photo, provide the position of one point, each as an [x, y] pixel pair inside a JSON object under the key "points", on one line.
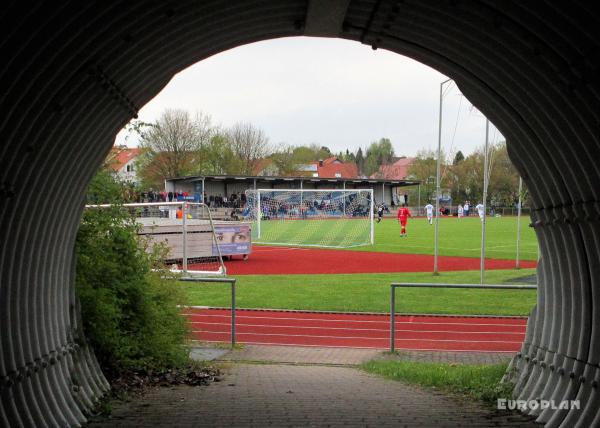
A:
{"points": [[486, 173], [437, 184], [518, 262]]}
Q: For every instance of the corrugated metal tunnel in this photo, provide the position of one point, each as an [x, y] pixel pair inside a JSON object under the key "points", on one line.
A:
{"points": [[74, 73]]}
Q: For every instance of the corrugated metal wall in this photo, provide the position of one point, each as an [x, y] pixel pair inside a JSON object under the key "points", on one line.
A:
{"points": [[75, 73]]}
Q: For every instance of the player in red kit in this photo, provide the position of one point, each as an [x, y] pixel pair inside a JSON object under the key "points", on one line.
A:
{"points": [[403, 215]]}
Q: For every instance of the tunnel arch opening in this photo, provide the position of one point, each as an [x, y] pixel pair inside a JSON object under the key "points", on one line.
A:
{"points": [[75, 75]]}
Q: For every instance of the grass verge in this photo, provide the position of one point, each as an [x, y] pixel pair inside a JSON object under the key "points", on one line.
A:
{"points": [[481, 382]]}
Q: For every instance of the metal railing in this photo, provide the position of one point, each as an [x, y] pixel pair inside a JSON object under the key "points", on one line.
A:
{"points": [[230, 281], [394, 285]]}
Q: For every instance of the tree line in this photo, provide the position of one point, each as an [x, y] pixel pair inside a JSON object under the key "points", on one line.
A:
{"points": [[462, 177], [180, 144]]}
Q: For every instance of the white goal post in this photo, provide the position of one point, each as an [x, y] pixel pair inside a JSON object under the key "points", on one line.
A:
{"points": [[330, 218]]}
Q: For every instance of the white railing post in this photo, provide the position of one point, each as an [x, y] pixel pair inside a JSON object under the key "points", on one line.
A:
{"points": [[258, 212]]}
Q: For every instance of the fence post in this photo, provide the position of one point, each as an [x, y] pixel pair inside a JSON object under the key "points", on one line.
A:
{"points": [[230, 281], [392, 318]]}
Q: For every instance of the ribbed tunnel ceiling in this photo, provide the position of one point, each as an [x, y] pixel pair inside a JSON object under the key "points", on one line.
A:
{"points": [[73, 74]]}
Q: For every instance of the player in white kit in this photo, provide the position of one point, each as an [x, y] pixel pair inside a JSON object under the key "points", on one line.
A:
{"points": [[429, 209], [480, 211]]}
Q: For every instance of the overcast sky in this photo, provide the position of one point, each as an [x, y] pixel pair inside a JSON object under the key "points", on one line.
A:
{"points": [[332, 92]]}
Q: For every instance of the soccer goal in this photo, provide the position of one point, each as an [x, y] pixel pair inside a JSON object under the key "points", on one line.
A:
{"points": [[182, 233], [314, 218]]}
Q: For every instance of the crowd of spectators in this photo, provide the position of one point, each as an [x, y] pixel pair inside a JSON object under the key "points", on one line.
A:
{"points": [[235, 200], [273, 208], [152, 196], [270, 207]]}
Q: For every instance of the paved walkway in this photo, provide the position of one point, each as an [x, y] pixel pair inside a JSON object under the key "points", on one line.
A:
{"points": [[255, 395], [309, 387], [353, 356]]}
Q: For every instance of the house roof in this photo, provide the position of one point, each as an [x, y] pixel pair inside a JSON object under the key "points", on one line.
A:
{"points": [[395, 171], [119, 156], [261, 165], [331, 160], [341, 170]]}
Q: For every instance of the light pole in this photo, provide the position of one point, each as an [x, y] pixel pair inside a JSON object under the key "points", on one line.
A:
{"points": [[518, 262], [485, 186], [437, 184]]}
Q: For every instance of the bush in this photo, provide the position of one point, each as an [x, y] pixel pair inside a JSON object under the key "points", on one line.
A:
{"points": [[130, 314]]}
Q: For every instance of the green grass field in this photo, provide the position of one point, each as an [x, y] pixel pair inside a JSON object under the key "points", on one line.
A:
{"points": [[333, 232], [456, 237], [370, 292]]}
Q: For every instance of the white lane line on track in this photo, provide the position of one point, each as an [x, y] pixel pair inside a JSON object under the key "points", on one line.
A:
{"points": [[270, 249], [239, 317], [361, 329], [359, 338], [360, 347]]}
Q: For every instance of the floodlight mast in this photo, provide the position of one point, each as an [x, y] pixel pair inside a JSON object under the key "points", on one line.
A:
{"points": [[486, 166], [437, 182], [518, 262]]}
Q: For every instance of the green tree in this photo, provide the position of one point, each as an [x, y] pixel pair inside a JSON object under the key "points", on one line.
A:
{"points": [[285, 160], [217, 157], [171, 147], [378, 153], [249, 145], [504, 178], [458, 158], [360, 161], [424, 169], [467, 177]]}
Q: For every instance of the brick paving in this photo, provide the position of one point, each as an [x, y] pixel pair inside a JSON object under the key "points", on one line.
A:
{"points": [[259, 395], [301, 355], [352, 356], [449, 357]]}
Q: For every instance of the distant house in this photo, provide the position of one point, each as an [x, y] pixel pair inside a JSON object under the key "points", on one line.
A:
{"points": [[265, 168], [333, 167], [394, 171], [122, 160]]}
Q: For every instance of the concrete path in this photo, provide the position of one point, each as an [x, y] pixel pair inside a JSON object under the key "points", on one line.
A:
{"points": [[353, 356], [254, 395], [303, 395]]}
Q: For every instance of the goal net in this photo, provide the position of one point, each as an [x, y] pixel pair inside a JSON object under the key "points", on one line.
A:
{"points": [[182, 233], [318, 218]]}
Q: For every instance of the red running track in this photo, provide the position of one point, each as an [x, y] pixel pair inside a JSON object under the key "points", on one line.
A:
{"points": [[284, 260], [413, 332]]}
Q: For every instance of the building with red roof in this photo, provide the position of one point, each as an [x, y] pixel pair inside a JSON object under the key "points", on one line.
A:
{"points": [[395, 171], [122, 160], [333, 167]]}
